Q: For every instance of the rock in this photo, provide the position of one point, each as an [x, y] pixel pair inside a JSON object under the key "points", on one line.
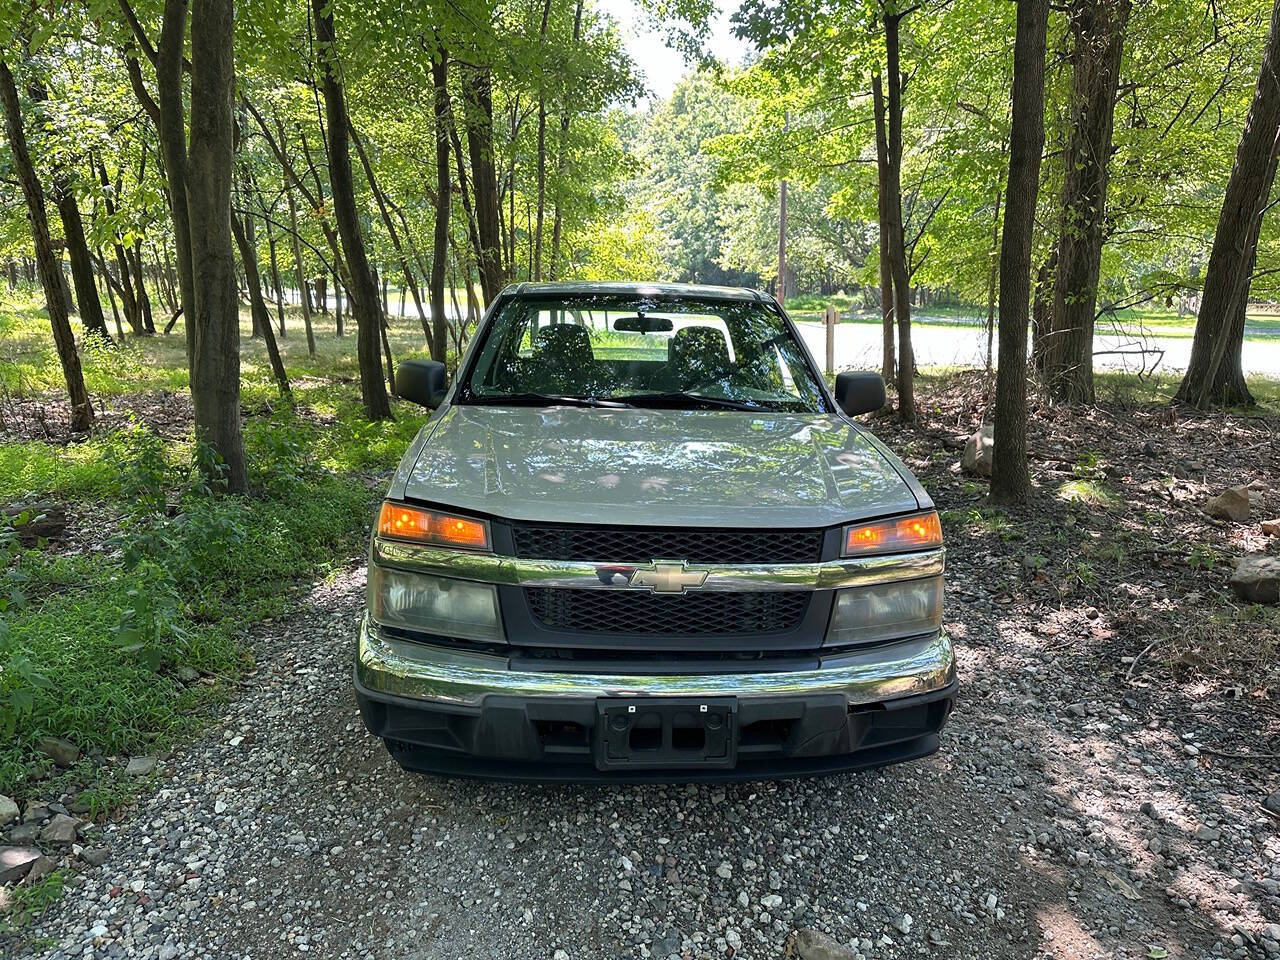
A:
{"points": [[41, 868], [8, 811], [15, 862], [1272, 802], [62, 752], [771, 902], [35, 812], [810, 944], [979, 451], [1271, 528], [903, 924], [95, 856], [1208, 834], [61, 829], [1077, 710], [140, 766], [188, 674], [25, 833], [1257, 579], [1232, 504]]}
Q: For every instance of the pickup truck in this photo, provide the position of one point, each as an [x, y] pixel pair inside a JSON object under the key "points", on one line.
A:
{"points": [[640, 539]]}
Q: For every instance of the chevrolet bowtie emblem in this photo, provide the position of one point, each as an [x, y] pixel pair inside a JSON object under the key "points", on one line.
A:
{"points": [[665, 576]]}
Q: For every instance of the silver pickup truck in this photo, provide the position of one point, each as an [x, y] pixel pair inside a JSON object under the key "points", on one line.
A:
{"points": [[640, 539]]}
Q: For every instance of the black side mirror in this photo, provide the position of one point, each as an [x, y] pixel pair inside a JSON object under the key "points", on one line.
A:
{"points": [[860, 392], [423, 382]]}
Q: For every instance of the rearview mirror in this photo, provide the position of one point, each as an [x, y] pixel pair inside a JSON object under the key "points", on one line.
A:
{"points": [[423, 382], [644, 324], [860, 392]]}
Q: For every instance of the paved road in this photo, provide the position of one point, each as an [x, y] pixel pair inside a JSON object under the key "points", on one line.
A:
{"points": [[859, 345]]}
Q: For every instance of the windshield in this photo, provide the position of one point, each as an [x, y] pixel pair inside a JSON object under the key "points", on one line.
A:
{"points": [[635, 351]]}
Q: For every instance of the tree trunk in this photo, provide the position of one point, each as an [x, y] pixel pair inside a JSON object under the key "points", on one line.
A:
{"points": [[258, 306], [1215, 374], [887, 367], [213, 328], [111, 297], [46, 261], [138, 270], [439, 322], [275, 280], [897, 235], [300, 277], [90, 307], [1042, 312], [1010, 481], [381, 200], [173, 148], [1098, 27], [337, 305], [992, 276], [477, 101], [81, 263], [373, 389]]}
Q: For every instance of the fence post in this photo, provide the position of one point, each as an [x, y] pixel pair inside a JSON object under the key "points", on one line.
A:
{"points": [[831, 339]]}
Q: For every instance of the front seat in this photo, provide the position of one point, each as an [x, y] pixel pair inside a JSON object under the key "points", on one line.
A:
{"points": [[563, 361], [698, 356]]}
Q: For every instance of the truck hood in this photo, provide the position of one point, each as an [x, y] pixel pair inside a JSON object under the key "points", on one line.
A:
{"points": [[655, 467]]}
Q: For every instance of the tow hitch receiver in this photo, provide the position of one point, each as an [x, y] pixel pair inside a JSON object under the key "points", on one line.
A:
{"points": [[638, 733]]}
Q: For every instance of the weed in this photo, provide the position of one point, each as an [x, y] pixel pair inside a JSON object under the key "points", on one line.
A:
{"points": [[28, 901]]}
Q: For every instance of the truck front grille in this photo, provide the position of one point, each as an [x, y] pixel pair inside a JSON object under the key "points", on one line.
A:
{"points": [[643, 544], [649, 614]]}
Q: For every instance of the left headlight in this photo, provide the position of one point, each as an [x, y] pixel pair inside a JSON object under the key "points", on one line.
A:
{"points": [[438, 605], [886, 611]]}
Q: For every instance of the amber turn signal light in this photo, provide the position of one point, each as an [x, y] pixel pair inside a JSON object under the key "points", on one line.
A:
{"points": [[917, 532], [403, 522]]}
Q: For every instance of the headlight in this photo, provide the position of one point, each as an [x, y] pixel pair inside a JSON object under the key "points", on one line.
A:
{"points": [[887, 611], [919, 531], [450, 608]]}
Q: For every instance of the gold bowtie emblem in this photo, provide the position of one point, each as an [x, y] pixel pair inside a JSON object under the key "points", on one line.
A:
{"points": [[667, 576]]}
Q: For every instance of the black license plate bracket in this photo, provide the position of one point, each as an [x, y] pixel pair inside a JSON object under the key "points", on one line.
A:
{"points": [[636, 733]]}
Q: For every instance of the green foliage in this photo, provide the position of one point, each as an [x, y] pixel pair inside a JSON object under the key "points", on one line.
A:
{"points": [[98, 648]]}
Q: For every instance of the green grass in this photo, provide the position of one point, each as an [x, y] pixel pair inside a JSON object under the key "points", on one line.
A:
{"points": [[102, 637], [25, 902]]}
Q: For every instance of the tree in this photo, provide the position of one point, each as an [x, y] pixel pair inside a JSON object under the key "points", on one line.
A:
{"points": [[1215, 374], [444, 179], [1010, 482], [362, 289], [213, 328], [1098, 29], [46, 261]]}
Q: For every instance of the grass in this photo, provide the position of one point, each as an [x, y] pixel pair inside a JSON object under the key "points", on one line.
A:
{"points": [[120, 638], [26, 902]]}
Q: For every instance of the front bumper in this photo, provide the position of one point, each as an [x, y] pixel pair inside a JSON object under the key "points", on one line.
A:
{"points": [[452, 711]]}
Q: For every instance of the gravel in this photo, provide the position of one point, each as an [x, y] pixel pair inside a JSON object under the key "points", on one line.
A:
{"points": [[1038, 831]]}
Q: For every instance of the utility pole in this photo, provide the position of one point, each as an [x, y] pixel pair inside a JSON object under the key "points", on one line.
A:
{"points": [[782, 228]]}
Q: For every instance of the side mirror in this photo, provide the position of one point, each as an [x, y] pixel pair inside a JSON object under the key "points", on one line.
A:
{"points": [[423, 382], [860, 392]]}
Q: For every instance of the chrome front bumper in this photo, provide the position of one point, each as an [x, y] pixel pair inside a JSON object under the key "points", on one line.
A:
{"points": [[397, 668]]}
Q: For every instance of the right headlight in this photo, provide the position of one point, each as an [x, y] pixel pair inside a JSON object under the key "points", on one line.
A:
{"points": [[886, 611], [437, 605]]}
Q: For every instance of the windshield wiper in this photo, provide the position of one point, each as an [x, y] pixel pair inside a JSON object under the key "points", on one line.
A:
{"points": [[678, 400], [543, 400]]}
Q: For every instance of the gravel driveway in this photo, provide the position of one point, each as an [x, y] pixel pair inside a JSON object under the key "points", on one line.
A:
{"points": [[1055, 822]]}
